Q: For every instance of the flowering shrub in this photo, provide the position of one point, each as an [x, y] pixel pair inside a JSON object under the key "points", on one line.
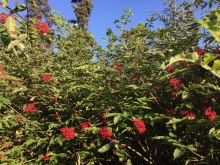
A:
{"points": [[90, 111]]}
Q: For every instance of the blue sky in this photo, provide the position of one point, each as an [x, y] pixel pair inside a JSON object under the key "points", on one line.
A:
{"points": [[105, 12]]}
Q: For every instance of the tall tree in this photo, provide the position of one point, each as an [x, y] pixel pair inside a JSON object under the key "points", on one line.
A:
{"points": [[41, 12], [82, 10]]}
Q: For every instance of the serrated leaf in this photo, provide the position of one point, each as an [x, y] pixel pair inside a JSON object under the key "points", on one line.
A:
{"points": [[105, 148], [178, 152]]}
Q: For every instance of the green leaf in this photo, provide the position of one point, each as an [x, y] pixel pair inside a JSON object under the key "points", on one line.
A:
{"points": [[18, 8], [178, 152], [17, 41], [105, 148], [2, 99], [207, 58], [11, 27], [113, 114], [191, 57], [116, 119], [200, 123], [60, 140], [216, 64], [4, 3], [185, 95]]}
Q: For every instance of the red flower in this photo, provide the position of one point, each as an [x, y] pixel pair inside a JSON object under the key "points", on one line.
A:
{"points": [[46, 77], [4, 137], [45, 157], [3, 17], [1, 155], [56, 114], [0, 143], [84, 125], [103, 58], [200, 51], [178, 84], [102, 118], [139, 124], [156, 87], [105, 133], [118, 67], [42, 26], [182, 63], [30, 107], [53, 99], [170, 69], [209, 114], [114, 152], [187, 113], [170, 111], [68, 133], [77, 113]]}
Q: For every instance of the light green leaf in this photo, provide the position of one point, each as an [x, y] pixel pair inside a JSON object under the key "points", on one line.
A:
{"points": [[207, 58], [116, 119], [11, 27], [105, 148], [17, 41], [185, 95], [4, 3], [216, 64], [178, 152]]}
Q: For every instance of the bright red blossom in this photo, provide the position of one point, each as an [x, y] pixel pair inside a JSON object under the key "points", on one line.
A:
{"points": [[102, 118], [45, 157], [157, 87], [200, 51], [187, 113], [209, 114], [105, 133], [114, 152], [30, 107], [0, 143], [46, 77], [178, 84], [68, 133], [170, 69], [3, 17], [139, 124], [41, 26], [169, 111], [1, 155], [118, 67], [84, 125], [4, 137]]}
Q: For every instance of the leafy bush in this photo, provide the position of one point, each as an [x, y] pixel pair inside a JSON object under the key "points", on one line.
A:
{"points": [[141, 101]]}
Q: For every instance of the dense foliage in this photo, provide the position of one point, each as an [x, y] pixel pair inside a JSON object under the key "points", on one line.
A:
{"points": [[146, 99]]}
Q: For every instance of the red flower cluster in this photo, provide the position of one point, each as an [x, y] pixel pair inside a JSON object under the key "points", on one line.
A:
{"points": [[178, 84], [105, 133], [170, 111], [139, 124], [0, 143], [3, 17], [1, 71], [209, 114], [68, 133], [46, 77], [30, 107], [170, 69], [1, 155], [103, 58], [102, 118], [45, 157], [77, 113], [177, 98], [187, 113], [200, 51], [41, 26], [118, 67], [182, 63], [84, 125], [136, 77]]}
